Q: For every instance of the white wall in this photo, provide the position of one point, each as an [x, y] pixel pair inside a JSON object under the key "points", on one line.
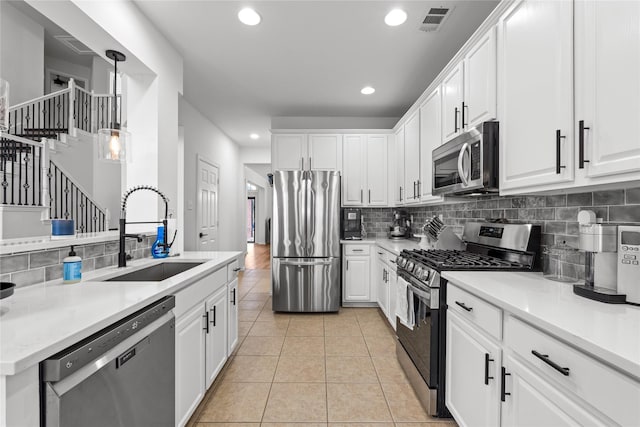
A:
{"points": [[21, 54], [206, 139], [66, 68]]}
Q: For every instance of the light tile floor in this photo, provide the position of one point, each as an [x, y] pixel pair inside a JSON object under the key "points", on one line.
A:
{"points": [[314, 369]]}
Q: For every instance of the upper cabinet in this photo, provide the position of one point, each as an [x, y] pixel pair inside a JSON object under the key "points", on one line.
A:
{"points": [[607, 81], [412, 159], [365, 171], [306, 152], [400, 190], [430, 139], [469, 90], [535, 93]]}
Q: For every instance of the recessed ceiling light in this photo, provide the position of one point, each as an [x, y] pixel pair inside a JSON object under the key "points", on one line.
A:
{"points": [[367, 90], [254, 136], [249, 16], [395, 17]]}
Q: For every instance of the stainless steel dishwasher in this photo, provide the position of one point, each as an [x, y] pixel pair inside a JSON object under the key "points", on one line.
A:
{"points": [[123, 375]]}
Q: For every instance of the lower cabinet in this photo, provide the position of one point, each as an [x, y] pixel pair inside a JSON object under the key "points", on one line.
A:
{"points": [[215, 334], [472, 374], [357, 285], [382, 287], [386, 284], [232, 296]]}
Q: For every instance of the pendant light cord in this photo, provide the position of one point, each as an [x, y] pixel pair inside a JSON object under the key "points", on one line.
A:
{"points": [[115, 94]]}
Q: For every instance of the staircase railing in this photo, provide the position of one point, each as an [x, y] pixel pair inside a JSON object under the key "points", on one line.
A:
{"points": [[30, 178], [63, 112]]}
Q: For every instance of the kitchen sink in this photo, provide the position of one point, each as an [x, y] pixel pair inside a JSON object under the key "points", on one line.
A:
{"points": [[155, 273]]}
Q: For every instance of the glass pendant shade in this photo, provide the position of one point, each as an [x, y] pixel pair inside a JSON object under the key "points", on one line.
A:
{"points": [[113, 144]]}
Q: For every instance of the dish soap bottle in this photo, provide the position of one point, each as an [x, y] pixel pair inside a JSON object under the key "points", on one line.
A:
{"points": [[157, 250], [71, 268]]}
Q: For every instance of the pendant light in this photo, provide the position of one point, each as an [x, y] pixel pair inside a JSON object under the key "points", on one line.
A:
{"points": [[113, 142]]}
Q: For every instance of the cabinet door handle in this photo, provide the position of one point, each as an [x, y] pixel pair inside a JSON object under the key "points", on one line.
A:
{"points": [[361, 192], [369, 195], [401, 193], [486, 368], [414, 189], [554, 365], [503, 392], [234, 296], [301, 163], [461, 304], [455, 120], [463, 107], [559, 137], [419, 185], [213, 315], [581, 129], [206, 321], [357, 250], [310, 168], [237, 269]]}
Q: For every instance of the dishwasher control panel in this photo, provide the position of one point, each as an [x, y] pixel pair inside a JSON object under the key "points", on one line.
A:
{"points": [[73, 358]]}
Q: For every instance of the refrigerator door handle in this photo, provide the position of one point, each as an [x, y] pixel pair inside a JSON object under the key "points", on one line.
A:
{"points": [[306, 263]]}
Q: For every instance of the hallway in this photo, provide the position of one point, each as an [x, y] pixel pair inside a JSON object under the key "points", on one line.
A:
{"points": [[314, 369]]}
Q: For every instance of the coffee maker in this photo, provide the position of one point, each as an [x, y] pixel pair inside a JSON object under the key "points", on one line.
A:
{"points": [[600, 244], [351, 224]]}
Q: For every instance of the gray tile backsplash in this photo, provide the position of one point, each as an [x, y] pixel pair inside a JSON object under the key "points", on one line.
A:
{"points": [[29, 268], [557, 214]]}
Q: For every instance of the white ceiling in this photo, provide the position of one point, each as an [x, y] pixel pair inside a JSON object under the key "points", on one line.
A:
{"points": [[307, 58]]}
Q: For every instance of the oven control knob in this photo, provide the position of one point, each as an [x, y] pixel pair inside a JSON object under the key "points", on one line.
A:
{"points": [[409, 266], [425, 275], [418, 271]]}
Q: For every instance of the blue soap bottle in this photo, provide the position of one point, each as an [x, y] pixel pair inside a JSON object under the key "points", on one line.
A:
{"points": [[157, 250], [71, 268]]}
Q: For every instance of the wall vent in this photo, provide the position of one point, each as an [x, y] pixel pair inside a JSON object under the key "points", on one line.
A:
{"points": [[75, 45], [435, 18]]}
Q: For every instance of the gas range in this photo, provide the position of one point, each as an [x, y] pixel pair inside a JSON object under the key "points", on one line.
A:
{"points": [[422, 328]]}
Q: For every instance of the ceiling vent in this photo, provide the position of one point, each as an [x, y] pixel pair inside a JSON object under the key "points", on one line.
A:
{"points": [[435, 18], [75, 45]]}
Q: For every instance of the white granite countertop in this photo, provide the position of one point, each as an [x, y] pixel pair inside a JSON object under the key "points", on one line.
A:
{"points": [[610, 332], [41, 320], [395, 246]]}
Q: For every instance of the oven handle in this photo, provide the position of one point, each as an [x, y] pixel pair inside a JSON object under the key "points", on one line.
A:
{"points": [[463, 173], [419, 292]]}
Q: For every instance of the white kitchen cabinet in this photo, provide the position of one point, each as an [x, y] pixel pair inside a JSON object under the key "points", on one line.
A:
{"points": [[472, 374], [353, 170], [452, 97], [382, 286], [480, 81], [412, 159], [306, 152], [215, 334], [289, 151], [386, 282], [232, 330], [532, 401], [400, 190], [607, 70], [357, 287], [535, 94], [364, 172], [392, 281], [190, 363], [377, 170], [430, 139], [325, 152]]}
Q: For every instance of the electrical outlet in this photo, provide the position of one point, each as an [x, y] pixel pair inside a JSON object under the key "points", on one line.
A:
{"points": [[190, 205]]}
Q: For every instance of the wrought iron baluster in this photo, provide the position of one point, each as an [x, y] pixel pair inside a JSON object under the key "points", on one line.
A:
{"points": [[39, 176], [33, 176]]}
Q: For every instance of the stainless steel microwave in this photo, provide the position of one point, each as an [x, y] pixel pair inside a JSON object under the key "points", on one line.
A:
{"points": [[468, 163]]}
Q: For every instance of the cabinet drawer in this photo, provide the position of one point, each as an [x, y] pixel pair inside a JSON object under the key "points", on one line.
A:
{"points": [[356, 249], [484, 315], [197, 292], [601, 386], [387, 257], [232, 270]]}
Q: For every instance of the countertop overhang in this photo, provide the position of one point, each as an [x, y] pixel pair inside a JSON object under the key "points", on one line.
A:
{"points": [[41, 320]]}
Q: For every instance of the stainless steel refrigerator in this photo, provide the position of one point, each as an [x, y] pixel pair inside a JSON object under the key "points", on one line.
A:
{"points": [[305, 243]]}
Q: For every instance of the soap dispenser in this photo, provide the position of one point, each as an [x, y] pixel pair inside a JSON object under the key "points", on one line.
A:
{"points": [[71, 268], [158, 250]]}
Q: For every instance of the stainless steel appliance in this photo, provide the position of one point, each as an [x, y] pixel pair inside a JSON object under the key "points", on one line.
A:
{"points": [[351, 224], [468, 163], [600, 243], [401, 227], [422, 330], [628, 262], [305, 273], [123, 375]]}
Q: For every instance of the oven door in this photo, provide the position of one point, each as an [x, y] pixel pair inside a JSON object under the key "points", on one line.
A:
{"points": [[421, 341]]}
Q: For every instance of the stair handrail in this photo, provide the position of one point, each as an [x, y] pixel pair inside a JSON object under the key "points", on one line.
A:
{"points": [[40, 98]]}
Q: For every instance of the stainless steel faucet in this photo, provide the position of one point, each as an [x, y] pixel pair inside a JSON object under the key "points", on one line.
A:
{"points": [[122, 255]]}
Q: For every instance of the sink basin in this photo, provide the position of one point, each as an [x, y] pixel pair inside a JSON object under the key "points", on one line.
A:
{"points": [[155, 273]]}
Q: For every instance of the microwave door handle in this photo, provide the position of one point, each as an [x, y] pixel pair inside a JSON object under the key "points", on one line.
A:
{"points": [[461, 171]]}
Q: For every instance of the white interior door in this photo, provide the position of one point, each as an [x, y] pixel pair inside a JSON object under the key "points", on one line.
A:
{"points": [[207, 199]]}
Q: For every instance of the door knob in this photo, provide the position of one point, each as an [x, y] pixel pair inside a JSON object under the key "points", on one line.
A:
{"points": [[202, 235]]}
